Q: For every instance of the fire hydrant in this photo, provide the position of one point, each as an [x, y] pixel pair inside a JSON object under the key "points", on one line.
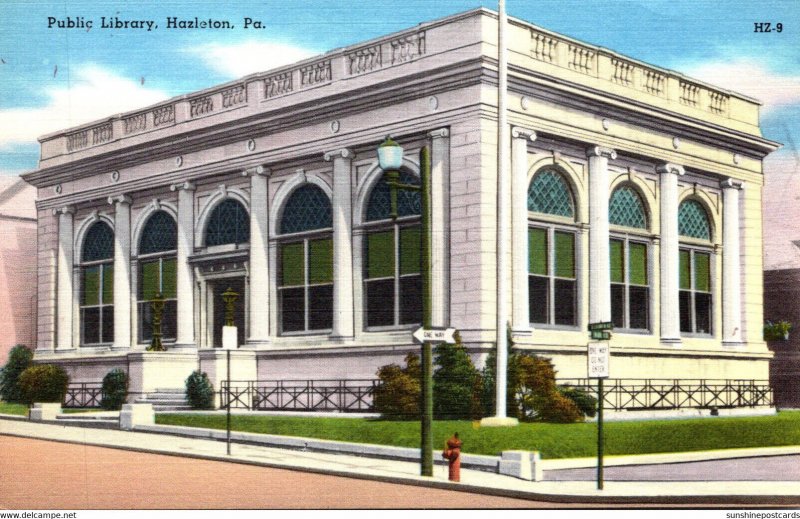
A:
{"points": [[452, 453]]}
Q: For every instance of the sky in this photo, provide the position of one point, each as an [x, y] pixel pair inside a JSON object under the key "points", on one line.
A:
{"points": [[53, 78]]}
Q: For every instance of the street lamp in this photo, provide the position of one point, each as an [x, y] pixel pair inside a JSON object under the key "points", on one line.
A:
{"points": [[390, 158], [157, 304]]}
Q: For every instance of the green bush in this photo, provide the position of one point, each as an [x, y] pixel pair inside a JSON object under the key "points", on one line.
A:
{"points": [[399, 393], [20, 358], [199, 391], [585, 402], [457, 385], [43, 383], [538, 397], [115, 389]]}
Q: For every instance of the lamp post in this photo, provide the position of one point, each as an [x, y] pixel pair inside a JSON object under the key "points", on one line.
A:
{"points": [[390, 157], [157, 304]]}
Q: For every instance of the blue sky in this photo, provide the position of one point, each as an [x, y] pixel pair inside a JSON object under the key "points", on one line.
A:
{"points": [[53, 78]]}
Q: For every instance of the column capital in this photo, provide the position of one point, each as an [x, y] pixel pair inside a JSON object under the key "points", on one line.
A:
{"points": [[730, 183], [183, 186], [600, 151], [257, 170], [120, 199], [517, 132], [441, 133], [345, 153], [67, 209], [669, 168]]}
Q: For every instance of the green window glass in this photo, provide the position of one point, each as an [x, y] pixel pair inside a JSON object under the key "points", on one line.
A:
{"points": [[638, 264], [410, 254], [630, 290], [169, 278], [552, 288], [97, 285], [696, 302], [617, 263], [702, 269], [380, 254], [537, 256], [565, 255], [685, 270], [320, 261], [91, 284], [293, 264], [158, 274]]}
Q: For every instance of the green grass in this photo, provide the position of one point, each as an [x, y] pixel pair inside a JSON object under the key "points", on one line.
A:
{"points": [[551, 440], [19, 409]]}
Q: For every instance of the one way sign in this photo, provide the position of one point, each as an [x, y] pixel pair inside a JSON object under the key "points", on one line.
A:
{"points": [[435, 335]]}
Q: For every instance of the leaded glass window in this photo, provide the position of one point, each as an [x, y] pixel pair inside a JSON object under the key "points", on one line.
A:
{"points": [[408, 202], [549, 193], [97, 285], [695, 291], [228, 223], [693, 220], [307, 209], [626, 208], [630, 284], [157, 274], [552, 280]]}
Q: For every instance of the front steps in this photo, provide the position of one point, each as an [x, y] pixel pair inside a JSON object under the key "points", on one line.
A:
{"points": [[166, 400]]}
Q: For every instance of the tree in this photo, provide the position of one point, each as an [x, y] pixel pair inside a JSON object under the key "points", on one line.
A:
{"points": [[457, 384], [20, 358], [43, 383], [399, 393]]}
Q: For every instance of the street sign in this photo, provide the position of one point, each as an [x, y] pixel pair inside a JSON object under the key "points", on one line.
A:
{"points": [[435, 335], [598, 363], [608, 325], [600, 335]]}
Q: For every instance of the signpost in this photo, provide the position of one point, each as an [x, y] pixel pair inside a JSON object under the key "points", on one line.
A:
{"points": [[436, 335], [598, 360]]}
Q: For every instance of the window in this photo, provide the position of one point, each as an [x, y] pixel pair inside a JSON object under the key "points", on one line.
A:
{"points": [[628, 258], [305, 281], [392, 266], [630, 291], [158, 274], [97, 285], [552, 281], [696, 301], [228, 223]]}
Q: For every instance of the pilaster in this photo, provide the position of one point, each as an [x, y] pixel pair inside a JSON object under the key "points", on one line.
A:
{"points": [[259, 304], [670, 266], [64, 282], [731, 264], [440, 227], [520, 315], [122, 270], [185, 274], [599, 277]]}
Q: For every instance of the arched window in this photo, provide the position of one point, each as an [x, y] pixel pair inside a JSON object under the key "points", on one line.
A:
{"points": [[158, 275], [552, 281], [696, 279], [97, 285], [392, 260], [228, 223], [629, 254], [305, 280]]}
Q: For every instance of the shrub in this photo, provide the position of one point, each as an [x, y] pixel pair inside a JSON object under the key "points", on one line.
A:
{"points": [[399, 393], [199, 391], [20, 358], [457, 385], [43, 383], [115, 389], [585, 401], [538, 397]]}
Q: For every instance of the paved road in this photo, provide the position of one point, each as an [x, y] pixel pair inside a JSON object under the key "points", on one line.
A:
{"points": [[37, 474], [773, 468]]}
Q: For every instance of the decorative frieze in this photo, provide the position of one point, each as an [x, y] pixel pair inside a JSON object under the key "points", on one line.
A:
{"points": [[581, 59], [135, 123], [77, 140], [623, 72], [234, 96], [718, 102], [653, 82], [543, 47], [407, 48], [315, 73], [278, 85], [364, 60], [201, 106], [690, 93], [164, 115]]}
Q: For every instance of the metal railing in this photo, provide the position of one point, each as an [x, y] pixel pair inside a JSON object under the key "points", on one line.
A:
{"points": [[299, 395], [83, 394], [662, 394]]}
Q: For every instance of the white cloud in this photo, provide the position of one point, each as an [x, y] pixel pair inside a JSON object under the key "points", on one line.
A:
{"points": [[93, 93], [240, 59], [751, 78]]}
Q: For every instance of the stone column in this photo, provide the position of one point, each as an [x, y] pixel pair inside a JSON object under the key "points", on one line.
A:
{"points": [[185, 274], [599, 277], [65, 303], [520, 315], [440, 227], [259, 257], [343, 327], [670, 264], [122, 270], [731, 264]]}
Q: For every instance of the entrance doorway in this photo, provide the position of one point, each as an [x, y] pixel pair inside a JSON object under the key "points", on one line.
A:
{"points": [[217, 288]]}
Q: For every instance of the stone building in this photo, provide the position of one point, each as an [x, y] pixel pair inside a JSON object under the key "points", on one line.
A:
{"points": [[634, 197]]}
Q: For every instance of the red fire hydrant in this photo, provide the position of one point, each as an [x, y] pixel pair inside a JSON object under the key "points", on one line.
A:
{"points": [[452, 453]]}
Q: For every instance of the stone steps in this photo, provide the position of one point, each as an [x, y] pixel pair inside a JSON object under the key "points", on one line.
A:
{"points": [[166, 400]]}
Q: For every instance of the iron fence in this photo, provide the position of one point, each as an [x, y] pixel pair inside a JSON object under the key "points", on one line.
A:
{"points": [[299, 395], [83, 394], [657, 394]]}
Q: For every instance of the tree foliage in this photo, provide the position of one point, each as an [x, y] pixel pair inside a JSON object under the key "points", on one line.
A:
{"points": [[199, 391], [43, 383], [20, 358], [457, 385], [399, 393], [115, 389]]}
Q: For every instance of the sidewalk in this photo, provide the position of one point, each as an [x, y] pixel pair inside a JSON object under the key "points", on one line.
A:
{"points": [[404, 472]]}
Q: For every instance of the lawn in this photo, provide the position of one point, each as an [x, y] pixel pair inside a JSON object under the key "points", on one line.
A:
{"points": [[19, 409], [551, 440]]}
